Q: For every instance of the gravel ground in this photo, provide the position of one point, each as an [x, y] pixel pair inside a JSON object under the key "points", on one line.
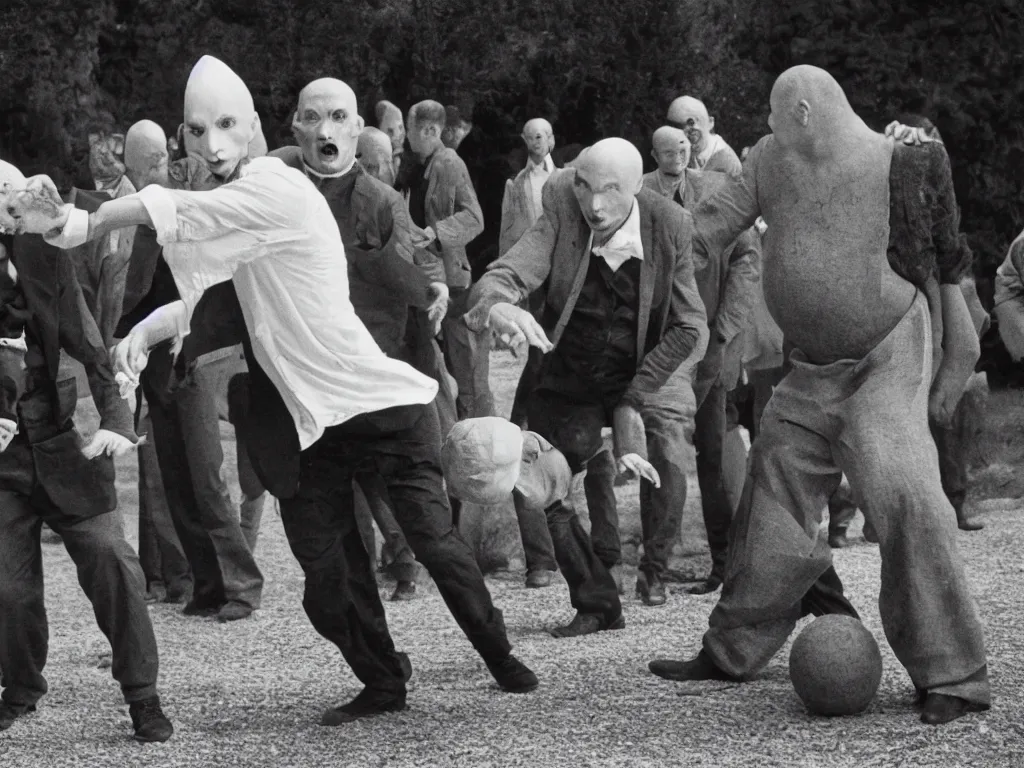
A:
{"points": [[250, 693]]}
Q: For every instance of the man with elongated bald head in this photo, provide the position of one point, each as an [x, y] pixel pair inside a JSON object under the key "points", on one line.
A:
{"points": [[857, 400], [621, 315], [708, 150], [322, 401]]}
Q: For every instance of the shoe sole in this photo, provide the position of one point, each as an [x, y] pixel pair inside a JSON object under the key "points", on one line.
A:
{"points": [[145, 740]]}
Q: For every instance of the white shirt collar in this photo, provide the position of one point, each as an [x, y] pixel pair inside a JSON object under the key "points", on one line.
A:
{"points": [[625, 244], [547, 164], [712, 145], [318, 175]]}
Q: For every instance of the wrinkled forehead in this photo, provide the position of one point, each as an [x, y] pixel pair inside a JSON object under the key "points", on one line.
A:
{"points": [[327, 97]]}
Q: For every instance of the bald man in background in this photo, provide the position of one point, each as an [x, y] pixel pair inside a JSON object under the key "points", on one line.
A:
{"points": [[708, 150], [857, 400], [623, 314], [163, 560]]}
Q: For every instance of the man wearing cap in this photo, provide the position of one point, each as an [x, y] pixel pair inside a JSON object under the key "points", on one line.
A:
{"points": [[709, 152], [624, 314]]}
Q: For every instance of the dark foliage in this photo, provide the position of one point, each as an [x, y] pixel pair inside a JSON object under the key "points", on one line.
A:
{"points": [[593, 67]]}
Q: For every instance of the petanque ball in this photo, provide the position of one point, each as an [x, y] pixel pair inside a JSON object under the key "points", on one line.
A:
{"points": [[835, 666]]}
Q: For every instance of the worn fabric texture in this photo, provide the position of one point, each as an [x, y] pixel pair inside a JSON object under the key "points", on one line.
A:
{"points": [[867, 418]]}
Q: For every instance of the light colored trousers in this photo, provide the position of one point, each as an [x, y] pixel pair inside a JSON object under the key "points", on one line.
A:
{"points": [[869, 419]]}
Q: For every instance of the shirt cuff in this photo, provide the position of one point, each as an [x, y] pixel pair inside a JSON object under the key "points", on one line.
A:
{"points": [[74, 233], [163, 212]]}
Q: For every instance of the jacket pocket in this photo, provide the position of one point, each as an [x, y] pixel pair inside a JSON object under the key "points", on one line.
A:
{"points": [[81, 488]]}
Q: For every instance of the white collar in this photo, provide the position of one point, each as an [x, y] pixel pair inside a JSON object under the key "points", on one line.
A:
{"points": [[712, 145], [625, 244], [547, 164], [318, 175]]}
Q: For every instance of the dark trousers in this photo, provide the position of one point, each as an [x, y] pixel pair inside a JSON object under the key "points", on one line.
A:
{"points": [[341, 599], [160, 552], [468, 356], [186, 430], [372, 505], [109, 574], [709, 433], [668, 418], [574, 426]]}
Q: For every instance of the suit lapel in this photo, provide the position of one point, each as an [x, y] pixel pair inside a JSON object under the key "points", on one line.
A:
{"points": [[584, 235], [647, 275]]}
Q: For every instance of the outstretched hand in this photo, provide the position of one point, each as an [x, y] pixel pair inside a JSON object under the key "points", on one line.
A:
{"points": [[36, 209], [438, 308], [515, 328], [632, 465], [110, 443]]}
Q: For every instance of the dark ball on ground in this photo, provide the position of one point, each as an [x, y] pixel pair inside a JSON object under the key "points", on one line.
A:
{"points": [[835, 666]]}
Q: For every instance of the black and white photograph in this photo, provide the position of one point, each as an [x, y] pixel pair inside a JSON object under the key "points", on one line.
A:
{"points": [[511, 383]]}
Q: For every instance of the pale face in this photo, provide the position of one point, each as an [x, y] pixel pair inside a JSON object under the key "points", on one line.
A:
{"points": [[539, 142], [696, 125], [393, 126], [421, 137], [218, 132], [672, 157], [327, 128], [605, 198]]}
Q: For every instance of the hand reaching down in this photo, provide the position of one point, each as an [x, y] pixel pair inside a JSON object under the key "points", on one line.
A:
{"points": [[438, 308], [110, 443], [632, 465], [515, 328]]}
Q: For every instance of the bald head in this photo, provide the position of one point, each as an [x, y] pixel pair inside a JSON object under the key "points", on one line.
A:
{"points": [[327, 125], [220, 119], [539, 138], [608, 177], [391, 121], [810, 111], [145, 154], [690, 115], [373, 152], [671, 150]]}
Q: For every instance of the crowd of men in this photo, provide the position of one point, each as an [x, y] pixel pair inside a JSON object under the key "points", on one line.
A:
{"points": [[320, 298]]}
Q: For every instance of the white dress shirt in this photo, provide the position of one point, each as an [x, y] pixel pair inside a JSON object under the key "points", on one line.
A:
{"points": [[625, 244], [273, 233], [537, 174]]}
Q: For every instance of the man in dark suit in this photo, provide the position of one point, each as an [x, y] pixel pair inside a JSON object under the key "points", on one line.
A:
{"points": [[624, 314]]}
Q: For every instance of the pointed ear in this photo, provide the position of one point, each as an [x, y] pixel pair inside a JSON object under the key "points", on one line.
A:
{"points": [[711, 124]]}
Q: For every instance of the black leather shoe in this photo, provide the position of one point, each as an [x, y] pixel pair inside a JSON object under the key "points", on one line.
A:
{"points": [[706, 587], [650, 589], [699, 668], [193, 608], [838, 540], [149, 721], [538, 579], [233, 611], [404, 590], [11, 712], [587, 624], [939, 708], [368, 703], [513, 676]]}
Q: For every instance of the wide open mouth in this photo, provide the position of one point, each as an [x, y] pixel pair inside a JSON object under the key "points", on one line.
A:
{"points": [[328, 151]]}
